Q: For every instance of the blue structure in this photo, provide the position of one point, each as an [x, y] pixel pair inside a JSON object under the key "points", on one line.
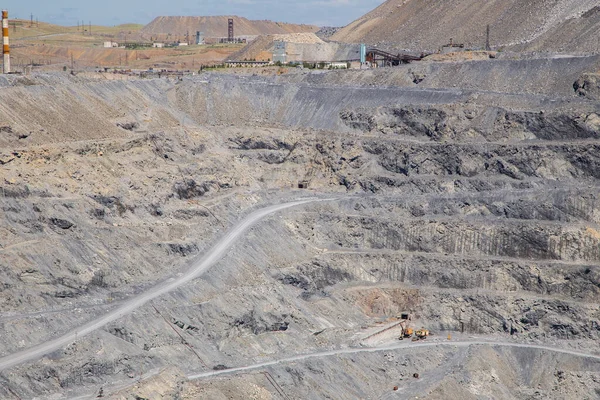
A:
{"points": [[279, 54], [363, 53]]}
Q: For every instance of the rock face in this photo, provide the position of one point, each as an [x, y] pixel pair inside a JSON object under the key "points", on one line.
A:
{"points": [[588, 85], [476, 211], [541, 25]]}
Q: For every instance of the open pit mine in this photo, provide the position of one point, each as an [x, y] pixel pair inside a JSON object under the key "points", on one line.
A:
{"points": [[428, 230]]}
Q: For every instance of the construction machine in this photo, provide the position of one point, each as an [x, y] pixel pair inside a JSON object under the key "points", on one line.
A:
{"points": [[406, 332], [422, 333]]}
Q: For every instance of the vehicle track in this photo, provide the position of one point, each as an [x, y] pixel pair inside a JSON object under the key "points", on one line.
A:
{"points": [[403, 345], [198, 268]]}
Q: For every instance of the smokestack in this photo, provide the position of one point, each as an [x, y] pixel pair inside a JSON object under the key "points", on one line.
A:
{"points": [[6, 47], [230, 33]]}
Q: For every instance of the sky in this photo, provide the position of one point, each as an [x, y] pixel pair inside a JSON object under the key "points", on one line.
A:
{"points": [[116, 12]]}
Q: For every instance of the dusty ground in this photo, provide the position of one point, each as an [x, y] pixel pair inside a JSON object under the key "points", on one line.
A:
{"points": [[473, 208], [51, 47], [55, 56]]}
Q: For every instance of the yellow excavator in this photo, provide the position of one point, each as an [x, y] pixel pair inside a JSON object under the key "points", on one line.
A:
{"points": [[422, 333], [406, 332]]}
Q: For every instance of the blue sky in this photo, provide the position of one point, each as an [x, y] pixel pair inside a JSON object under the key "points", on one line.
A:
{"points": [[114, 12]]}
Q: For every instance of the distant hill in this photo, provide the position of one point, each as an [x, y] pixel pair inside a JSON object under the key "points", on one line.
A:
{"points": [[218, 26], [24, 29], [553, 25]]}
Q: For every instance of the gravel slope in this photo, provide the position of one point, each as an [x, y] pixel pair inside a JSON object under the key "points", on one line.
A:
{"points": [[419, 25]]}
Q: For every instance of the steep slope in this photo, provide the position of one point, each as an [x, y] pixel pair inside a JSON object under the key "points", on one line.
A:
{"points": [[217, 26], [427, 25], [572, 34]]}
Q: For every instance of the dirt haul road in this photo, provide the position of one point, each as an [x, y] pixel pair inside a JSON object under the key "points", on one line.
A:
{"points": [[197, 269], [404, 345]]}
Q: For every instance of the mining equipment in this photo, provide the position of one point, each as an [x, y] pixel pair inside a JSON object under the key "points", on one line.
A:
{"points": [[406, 330], [422, 333], [385, 59]]}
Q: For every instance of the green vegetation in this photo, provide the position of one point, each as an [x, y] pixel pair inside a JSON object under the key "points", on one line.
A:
{"points": [[136, 46], [213, 67]]}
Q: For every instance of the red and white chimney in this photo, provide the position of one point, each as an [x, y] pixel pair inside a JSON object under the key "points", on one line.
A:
{"points": [[6, 47]]}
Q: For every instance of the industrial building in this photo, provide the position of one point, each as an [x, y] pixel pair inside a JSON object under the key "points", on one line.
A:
{"points": [[233, 64]]}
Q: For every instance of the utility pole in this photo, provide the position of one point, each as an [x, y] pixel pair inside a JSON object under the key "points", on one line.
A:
{"points": [[487, 40], [31, 23], [90, 28]]}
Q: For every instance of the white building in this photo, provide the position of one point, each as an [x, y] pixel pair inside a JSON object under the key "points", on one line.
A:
{"points": [[339, 65]]}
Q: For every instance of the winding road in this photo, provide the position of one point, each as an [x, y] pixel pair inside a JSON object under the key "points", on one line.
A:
{"points": [[196, 269], [402, 345]]}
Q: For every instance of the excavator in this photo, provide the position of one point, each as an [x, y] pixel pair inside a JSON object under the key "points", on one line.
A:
{"points": [[406, 331], [422, 334]]}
